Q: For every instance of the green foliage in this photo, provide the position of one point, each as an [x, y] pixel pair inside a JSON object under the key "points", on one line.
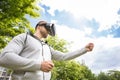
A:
{"points": [[103, 76], [110, 75], [71, 70], [13, 17], [57, 44], [114, 74]]}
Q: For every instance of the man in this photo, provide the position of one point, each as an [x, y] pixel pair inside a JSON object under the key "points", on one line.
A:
{"points": [[32, 59]]}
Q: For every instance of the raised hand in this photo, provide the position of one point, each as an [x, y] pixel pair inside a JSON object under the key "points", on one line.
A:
{"points": [[89, 47]]}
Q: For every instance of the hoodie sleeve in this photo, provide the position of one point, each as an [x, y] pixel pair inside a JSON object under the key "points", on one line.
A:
{"points": [[57, 55], [10, 57]]}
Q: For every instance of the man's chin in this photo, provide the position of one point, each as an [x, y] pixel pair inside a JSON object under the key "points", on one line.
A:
{"points": [[45, 36]]}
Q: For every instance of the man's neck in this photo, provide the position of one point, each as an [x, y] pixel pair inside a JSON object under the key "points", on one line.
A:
{"points": [[37, 35]]}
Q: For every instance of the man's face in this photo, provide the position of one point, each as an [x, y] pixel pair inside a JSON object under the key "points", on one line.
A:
{"points": [[43, 32]]}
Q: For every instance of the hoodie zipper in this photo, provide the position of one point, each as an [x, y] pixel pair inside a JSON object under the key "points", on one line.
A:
{"points": [[43, 60]]}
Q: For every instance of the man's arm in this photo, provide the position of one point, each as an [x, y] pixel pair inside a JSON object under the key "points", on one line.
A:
{"points": [[10, 56], [71, 55]]}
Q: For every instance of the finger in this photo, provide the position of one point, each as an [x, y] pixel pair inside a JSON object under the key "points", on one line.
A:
{"points": [[91, 44], [50, 67], [91, 48], [51, 63], [46, 70]]}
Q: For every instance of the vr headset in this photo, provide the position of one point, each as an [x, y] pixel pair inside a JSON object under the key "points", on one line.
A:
{"points": [[50, 27]]}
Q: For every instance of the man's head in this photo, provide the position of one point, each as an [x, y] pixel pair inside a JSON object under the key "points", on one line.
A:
{"points": [[45, 28]]}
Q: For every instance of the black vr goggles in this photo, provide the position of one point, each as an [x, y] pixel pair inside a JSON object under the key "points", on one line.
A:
{"points": [[50, 27]]}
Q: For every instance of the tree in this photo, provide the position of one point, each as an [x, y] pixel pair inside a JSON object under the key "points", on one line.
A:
{"points": [[13, 17], [103, 76], [109, 75], [71, 70], [114, 74], [57, 43]]}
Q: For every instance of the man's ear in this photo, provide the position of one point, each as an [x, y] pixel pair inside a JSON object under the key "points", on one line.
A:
{"points": [[38, 27]]}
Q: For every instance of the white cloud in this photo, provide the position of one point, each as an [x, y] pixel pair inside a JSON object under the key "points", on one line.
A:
{"points": [[69, 33], [88, 31], [104, 11]]}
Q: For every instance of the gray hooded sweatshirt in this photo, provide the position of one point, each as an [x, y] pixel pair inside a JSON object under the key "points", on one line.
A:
{"points": [[25, 59]]}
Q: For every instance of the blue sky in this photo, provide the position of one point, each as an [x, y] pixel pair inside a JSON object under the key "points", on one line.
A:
{"points": [[84, 21]]}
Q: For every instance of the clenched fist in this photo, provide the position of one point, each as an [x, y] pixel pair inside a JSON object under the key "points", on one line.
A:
{"points": [[89, 47], [46, 66]]}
